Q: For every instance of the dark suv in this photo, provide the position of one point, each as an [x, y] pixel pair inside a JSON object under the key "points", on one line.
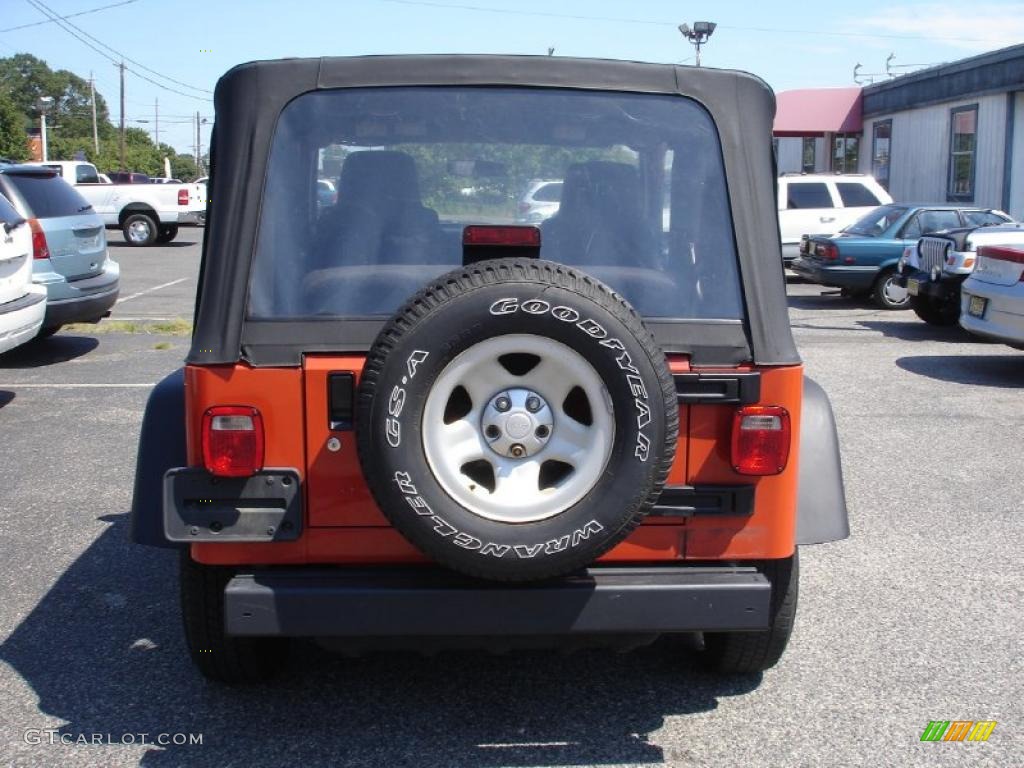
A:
{"points": [[405, 415]]}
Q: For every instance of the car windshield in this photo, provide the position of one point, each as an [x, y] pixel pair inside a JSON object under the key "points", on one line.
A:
{"points": [[643, 204], [877, 222]]}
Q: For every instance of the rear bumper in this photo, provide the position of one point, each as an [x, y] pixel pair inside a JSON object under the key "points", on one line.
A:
{"points": [[85, 300], [837, 277], [789, 252], [21, 319], [183, 218], [84, 309], [1003, 318], [332, 602]]}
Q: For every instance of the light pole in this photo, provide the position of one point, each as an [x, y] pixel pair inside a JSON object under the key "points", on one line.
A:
{"points": [[44, 104], [698, 35]]}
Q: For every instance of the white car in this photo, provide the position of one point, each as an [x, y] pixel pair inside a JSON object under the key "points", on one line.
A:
{"points": [[22, 303], [992, 298], [145, 213], [541, 201], [823, 204]]}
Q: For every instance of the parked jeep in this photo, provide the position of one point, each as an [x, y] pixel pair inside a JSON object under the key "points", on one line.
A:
{"points": [[401, 420], [934, 269]]}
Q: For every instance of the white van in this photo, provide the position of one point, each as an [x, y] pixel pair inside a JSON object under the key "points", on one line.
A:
{"points": [[822, 204]]}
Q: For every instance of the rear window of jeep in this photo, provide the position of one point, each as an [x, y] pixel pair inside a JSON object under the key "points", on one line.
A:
{"points": [[643, 205]]}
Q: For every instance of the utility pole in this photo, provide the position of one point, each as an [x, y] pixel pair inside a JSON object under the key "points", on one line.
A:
{"points": [[92, 98], [121, 67], [197, 143], [44, 104], [156, 122]]}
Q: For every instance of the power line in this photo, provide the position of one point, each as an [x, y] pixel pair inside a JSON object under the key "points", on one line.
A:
{"points": [[69, 16], [70, 29], [673, 24]]}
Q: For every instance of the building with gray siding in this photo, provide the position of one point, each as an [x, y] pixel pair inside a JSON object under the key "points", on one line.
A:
{"points": [[949, 133]]}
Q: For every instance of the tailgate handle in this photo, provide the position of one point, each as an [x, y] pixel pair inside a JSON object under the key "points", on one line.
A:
{"points": [[718, 388], [341, 400]]}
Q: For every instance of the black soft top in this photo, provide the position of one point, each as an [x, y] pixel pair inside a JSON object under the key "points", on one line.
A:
{"points": [[249, 99]]}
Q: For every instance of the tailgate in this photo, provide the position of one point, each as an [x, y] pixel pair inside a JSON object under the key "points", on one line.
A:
{"points": [[15, 262], [1000, 265], [78, 245]]}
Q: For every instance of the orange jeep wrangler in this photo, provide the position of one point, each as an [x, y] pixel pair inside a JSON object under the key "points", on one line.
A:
{"points": [[406, 414]]}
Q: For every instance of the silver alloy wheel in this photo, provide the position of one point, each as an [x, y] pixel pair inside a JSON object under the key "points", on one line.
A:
{"points": [[895, 294], [139, 231], [504, 456]]}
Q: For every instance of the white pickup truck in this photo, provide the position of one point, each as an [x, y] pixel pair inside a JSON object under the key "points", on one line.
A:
{"points": [[145, 213]]}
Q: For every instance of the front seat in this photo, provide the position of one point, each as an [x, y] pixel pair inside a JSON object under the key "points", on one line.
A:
{"points": [[379, 218], [600, 220]]}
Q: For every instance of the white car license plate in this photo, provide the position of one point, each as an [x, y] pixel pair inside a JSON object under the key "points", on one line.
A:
{"points": [[977, 306], [913, 286]]}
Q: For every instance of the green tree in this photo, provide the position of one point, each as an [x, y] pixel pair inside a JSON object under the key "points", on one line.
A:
{"points": [[13, 144], [26, 78]]}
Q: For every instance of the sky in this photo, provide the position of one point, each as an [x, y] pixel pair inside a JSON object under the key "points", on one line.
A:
{"points": [[193, 43]]}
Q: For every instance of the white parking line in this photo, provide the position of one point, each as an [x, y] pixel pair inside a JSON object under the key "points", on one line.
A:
{"points": [[15, 385], [150, 290]]}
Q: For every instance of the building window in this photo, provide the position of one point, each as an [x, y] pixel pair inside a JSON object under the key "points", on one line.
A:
{"points": [[963, 146], [845, 153], [881, 143], [807, 164]]}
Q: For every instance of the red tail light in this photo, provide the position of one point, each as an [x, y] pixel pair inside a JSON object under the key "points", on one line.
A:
{"points": [[182, 197], [827, 251], [488, 235], [40, 250], [760, 440], [232, 441]]}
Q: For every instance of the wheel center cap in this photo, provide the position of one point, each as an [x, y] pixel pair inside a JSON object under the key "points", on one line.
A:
{"points": [[517, 423], [518, 426]]}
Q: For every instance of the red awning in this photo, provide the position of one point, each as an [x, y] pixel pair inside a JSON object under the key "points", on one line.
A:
{"points": [[814, 111]]}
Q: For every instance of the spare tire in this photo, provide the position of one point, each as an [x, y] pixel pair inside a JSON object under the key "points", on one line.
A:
{"points": [[516, 420]]}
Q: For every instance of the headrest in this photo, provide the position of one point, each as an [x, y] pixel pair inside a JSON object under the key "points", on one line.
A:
{"points": [[602, 187], [379, 175]]}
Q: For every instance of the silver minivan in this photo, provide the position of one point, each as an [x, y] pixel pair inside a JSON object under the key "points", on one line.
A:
{"points": [[69, 246]]}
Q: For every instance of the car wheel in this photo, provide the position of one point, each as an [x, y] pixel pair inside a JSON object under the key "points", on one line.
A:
{"points": [[738, 653], [936, 311], [887, 293], [167, 233], [516, 420], [139, 229], [220, 656]]}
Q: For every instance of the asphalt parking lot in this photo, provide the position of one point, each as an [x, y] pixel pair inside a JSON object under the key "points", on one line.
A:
{"points": [[915, 618]]}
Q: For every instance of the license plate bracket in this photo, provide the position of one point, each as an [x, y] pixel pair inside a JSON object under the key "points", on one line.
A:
{"points": [[976, 306], [200, 507]]}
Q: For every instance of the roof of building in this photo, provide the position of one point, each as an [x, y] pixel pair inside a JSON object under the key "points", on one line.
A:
{"points": [[991, 72], [811, 111]]}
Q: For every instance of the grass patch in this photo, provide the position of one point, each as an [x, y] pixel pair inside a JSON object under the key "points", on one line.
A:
{"points": [[176, 327], [162, 345]]}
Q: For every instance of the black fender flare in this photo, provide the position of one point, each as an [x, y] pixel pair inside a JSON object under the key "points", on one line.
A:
{"points": [[161, 447], [821, 500]]}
